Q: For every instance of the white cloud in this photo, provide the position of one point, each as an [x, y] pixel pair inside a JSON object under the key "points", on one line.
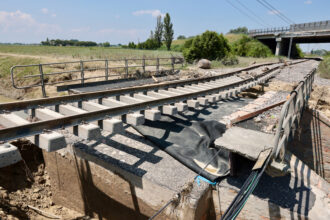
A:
{"points": [[308, 2], [153, 13], [53, 15], [20, 22], [44, 11], [273, 12]]}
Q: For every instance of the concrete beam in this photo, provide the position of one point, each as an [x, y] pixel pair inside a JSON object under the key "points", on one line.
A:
{"points": [[111, 125], [110, 102], [49, 141], [132, 119], [86, 131], [9, 154]]}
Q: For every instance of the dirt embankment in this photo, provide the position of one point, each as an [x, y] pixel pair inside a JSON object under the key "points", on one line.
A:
{"points": [[288, 79], [25, 191]]}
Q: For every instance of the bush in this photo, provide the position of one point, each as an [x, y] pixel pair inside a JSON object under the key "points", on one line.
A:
{"points": [[150, 44], [248, 47], [324, 68], [299, 51], [210, 45], [239, 30], [230, 60]]}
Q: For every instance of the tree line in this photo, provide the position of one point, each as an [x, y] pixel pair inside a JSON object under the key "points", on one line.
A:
{"points": [[73, 42], [163, 34]]}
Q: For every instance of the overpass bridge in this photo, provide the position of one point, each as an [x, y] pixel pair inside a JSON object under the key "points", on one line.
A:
{"points": [[282, 40]]}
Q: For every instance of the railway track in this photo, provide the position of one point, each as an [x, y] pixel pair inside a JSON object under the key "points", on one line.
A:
{"points": [[83, 115]]}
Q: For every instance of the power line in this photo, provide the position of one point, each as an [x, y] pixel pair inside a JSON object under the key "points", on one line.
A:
{"points": [[252, 12], [275, 11], [247, 15], [283, 15]]}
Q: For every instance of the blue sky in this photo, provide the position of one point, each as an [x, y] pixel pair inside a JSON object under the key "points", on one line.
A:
{"points": [[30, 21]]}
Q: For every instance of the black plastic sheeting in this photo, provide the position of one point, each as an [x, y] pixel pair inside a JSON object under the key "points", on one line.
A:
{"points": [[191, 143]]}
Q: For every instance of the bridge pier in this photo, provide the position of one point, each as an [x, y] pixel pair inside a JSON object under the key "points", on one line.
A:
{"points": [[278, 49]]}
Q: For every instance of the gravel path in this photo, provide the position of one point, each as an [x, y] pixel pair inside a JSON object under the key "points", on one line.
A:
{"points": [[296, 73]]}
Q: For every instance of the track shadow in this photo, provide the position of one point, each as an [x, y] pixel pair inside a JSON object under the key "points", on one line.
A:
{"points": [[307, 144]]}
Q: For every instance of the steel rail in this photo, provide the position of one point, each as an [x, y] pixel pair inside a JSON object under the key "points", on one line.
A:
{"points": [[30, 104], [69, 121]]}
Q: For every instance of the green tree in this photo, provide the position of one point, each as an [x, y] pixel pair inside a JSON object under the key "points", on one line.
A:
{"points": [[158, 35], [168, 31]]}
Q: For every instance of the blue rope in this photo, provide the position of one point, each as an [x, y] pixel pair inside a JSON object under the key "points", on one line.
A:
{"points": [[198, 178]]}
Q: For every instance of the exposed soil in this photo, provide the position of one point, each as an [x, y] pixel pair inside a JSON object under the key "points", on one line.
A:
{"points": [[25, 190]]}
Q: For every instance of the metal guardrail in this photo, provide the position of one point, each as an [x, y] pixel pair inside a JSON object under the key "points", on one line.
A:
{"points": [[291, 114], [80, 68], [269, 30], [311, 26]]}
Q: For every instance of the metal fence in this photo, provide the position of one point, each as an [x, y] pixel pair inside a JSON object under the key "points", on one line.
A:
{"points": [[290, 115], [40, 75]]}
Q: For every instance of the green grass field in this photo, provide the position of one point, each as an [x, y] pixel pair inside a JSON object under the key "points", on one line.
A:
{"points": [[76, 53]]}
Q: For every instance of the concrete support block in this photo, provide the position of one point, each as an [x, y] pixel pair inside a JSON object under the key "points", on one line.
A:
{"points": [[113, 125], [134, 119], [89, 131], [9, 154], [211, 98], [50, 141], [152, 114], [202, 100], [169, 110], [181, 106], [193, 103]]}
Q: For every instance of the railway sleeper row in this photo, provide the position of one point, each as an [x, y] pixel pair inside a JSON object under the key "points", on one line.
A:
{"points": [[51, 140]]}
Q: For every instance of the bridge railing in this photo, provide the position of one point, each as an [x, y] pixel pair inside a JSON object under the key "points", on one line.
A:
{"points": [[312, 26], [291, 114], [269, 30], [42, 75]]}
